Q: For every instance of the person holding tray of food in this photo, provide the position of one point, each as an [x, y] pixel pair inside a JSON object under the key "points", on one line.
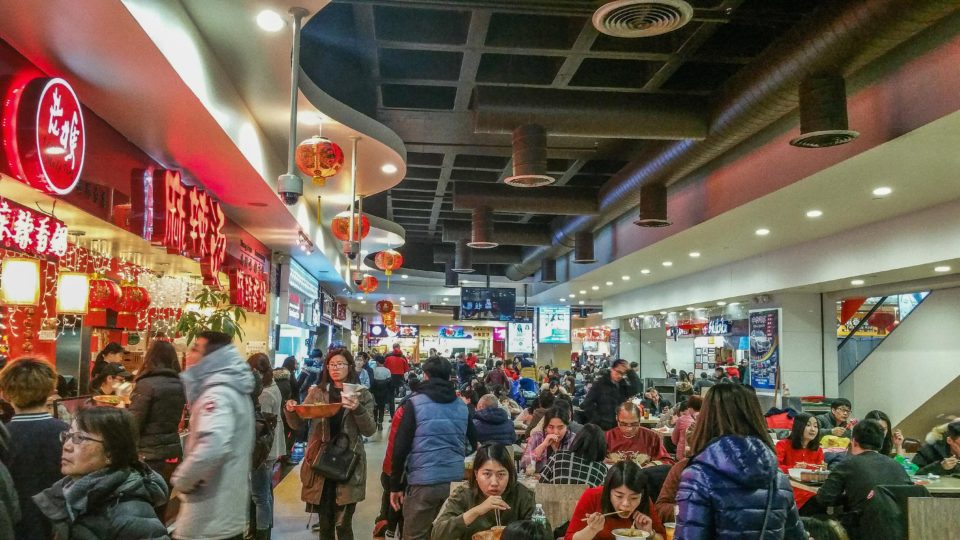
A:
{"points": [[620, 508], [489, 502], [338, 385]]}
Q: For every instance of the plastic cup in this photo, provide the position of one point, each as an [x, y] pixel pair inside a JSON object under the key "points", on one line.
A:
{"points": [[671, 528], [350, 389]]}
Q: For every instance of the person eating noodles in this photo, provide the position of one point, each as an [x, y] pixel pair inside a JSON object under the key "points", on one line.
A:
{"points": [[554, 438], [630, 439], [623, 502], [492, 498]]}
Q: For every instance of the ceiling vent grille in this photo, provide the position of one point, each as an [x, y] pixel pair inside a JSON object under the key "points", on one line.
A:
{"points": [[823, 113], [641, 18], [529, 158]]}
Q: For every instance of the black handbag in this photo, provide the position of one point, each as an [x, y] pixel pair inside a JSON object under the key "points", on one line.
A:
{"points": [[338, 461]]}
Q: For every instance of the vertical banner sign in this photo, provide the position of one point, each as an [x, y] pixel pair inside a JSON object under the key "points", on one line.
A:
{"points": [[764, 348]]}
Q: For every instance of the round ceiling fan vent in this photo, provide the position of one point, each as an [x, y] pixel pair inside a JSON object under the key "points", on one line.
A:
{"points": [[641, 18], [823, 139]]}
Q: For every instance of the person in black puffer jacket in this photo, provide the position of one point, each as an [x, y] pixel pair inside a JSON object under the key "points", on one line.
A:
{"points": [[107, 491], [732, 487], [493, 423], [607, 393], [156, 406]]}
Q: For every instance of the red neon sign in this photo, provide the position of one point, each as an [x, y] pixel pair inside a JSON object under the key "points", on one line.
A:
{"points": [[248, 290], [30, 231], [184, 219], [44, 137]]}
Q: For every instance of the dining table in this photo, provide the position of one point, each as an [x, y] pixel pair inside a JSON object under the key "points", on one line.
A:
{"points": [[944, 486]]}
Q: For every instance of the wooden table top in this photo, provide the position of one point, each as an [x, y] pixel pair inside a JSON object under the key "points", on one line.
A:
{"points": [[945, 485]]}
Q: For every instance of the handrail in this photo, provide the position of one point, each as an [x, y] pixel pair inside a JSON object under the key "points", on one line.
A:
{"points": [[862, 322]]}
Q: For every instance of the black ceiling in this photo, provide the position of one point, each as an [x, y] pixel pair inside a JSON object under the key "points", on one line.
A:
{"points": [[414, 65]]}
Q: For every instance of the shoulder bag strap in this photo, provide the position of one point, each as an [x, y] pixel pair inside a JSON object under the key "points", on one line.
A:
{"points": [[766, 513]]}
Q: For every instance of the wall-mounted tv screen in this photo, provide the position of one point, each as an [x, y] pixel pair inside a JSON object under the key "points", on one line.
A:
{"points": [[520, 338], [487, 304], [553, 324]]}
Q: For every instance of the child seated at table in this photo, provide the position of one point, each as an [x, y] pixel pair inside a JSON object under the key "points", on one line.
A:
{"points": [[493, 497], [621, 503]]}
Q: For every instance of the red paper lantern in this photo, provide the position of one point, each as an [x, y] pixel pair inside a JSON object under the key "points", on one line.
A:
{"points": [[384, 306], [104, 294], [389, 318], [320, 158], [340, 226], [388, 260], [133, 299], [368, 284]]}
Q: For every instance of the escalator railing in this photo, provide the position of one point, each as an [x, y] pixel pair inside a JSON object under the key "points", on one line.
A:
{"points": [[854, 345]]}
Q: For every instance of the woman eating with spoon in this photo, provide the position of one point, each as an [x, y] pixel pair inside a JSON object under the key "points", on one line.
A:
{"points": [[621, 503], [492, 498]]}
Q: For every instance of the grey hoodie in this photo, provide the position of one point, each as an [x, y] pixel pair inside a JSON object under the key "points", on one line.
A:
{"points": [[213, 479]]}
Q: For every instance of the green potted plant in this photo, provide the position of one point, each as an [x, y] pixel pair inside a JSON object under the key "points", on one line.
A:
{"points": [[212, 312]]}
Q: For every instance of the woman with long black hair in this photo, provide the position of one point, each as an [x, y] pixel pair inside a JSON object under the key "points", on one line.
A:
{"points": [[622, 502], [111, 354], [335, 503]]}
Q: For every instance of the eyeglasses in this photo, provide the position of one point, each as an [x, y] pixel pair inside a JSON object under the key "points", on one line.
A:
{"points": [[843, 410], [338, 366], [76, 438]]}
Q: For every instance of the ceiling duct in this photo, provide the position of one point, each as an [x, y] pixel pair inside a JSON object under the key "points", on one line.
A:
{"points": [[653, 206], [583, 248], [462, 258], [823, 113], [555, 200], [444, 253], [452, 279], [529, 158], [481, 236], [548, 271], [504, 234], [641, 18], [839, 37]]}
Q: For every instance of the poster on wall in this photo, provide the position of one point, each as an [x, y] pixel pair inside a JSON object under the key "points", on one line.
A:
{"points": [[615, 343], [764, 348], [520, 338], [554, 324]]}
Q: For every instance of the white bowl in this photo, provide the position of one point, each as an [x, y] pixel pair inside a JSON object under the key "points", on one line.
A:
{"points": [[619, 534]]}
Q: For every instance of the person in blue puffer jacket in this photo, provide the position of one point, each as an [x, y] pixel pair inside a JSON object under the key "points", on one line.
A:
{"points": [[732, 487]]}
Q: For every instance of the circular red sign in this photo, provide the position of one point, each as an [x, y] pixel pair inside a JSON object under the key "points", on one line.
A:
{"points": [[50, 137]]}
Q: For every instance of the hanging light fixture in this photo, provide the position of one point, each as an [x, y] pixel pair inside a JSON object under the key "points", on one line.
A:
{"points": [[320, 158], [20, 281], [388, 260], [73, 293]]}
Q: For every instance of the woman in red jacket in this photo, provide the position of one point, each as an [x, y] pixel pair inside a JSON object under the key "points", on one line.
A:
{"points": [[803, 446], [624, 496]]}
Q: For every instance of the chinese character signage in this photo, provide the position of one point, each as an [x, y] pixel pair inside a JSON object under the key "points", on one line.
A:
{"points": [[184, 219], [248, 290], [44, 137], [453, 332], [30, 231], [378, 331], [340, 311], [764, 348]]}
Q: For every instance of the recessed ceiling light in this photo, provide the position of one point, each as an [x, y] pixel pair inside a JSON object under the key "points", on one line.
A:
{"points": [[360, 297], [401, 298], [668, 263], [882, 191], [465, 281], [941, 269], [691, 308], [580, 302], [389, 168], [856, 282], [645, 271], [404, 276], [595, 288], [721, 303], [270, 21], [762, 232], [694, 254], [571, 295], [445, 299], [663, 312], [609, 283], [625, 278], [734, 303], [563, 299], [814, 213], [363, 301], [583, 291]]}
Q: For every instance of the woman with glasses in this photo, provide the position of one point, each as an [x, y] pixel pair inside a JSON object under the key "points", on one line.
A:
{"points": [[623, 502], [732, 487], [336, 503], [493, 497], [107, 491], [554, 438]]}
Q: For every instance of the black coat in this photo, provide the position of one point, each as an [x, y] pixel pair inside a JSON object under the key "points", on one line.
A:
{"points": [[285, 384], [851, 481], [929, 456], [157, 406], [602, 401]]}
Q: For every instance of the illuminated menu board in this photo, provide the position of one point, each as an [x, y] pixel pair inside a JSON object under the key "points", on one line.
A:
{"points": [[553, 324], [520, 338]]}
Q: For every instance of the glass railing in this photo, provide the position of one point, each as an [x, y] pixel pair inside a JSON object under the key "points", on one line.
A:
{"points": [[863, 324]]}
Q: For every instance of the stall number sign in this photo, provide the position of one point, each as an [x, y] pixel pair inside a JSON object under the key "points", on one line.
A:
{"points": [[185, 219], [248, 290], [29, 231], [44, 137]]}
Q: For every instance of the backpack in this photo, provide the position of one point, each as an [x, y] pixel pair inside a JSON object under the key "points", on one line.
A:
{"points": [[264, 429]]}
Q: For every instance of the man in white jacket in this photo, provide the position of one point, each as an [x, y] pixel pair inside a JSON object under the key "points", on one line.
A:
{"points": [[213, 479]]}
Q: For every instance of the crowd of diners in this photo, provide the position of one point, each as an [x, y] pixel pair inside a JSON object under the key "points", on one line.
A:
{"points": [[710, 469]]}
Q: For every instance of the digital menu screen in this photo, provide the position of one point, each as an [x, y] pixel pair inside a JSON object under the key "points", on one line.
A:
{"points": [[487, 304], [553, 324], [520, 338]]}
